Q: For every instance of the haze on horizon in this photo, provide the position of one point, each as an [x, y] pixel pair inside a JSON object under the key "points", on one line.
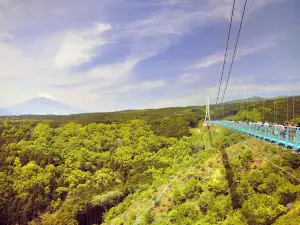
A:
{"points": [[114, 54]]}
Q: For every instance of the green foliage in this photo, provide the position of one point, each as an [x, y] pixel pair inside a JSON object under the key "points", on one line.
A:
{"points": [[218, 183], [261, 190], [186, 213], [291, 217], [260, 110], [261, 209], [174, 126], [192, 188], [205, 201], [58, 172], [293, 160], [52, 174], [244, 190], [235, 218], [253, 115], [159, 119], [245, 158]]}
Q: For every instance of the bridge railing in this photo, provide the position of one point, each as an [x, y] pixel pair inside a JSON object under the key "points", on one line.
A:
{"points": [[283, 135]]}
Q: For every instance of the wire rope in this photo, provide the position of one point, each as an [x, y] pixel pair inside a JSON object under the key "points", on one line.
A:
{"points": [[236, 44], [228, 37]]}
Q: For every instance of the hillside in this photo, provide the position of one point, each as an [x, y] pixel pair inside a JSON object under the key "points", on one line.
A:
{"points": [[274, 110], [230, 182], [170, 122], [146, 167], [60, 172], [256, 99], [253, 99], [124, 173], [110, 117]]}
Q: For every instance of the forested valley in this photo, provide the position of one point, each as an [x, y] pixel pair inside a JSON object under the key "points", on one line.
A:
{"points": [[143, 167]]}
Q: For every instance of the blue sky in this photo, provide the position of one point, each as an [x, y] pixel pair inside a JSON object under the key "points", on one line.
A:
{"points": [[122, 54]]}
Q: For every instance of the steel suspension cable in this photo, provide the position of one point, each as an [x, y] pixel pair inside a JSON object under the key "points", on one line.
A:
{"points": [[287, 108], [293, 94], [247, 103], [264, 103], [228, 37], [275, 113], [253, 89], [274, 117], [236, 44]]}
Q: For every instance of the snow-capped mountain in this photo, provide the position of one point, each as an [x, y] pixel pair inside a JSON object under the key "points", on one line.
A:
{"points": [[46, 96], [42, 104]]}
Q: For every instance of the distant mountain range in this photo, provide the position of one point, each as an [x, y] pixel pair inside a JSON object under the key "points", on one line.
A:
{"points": [[255, 99], [42, 104], [252, 99]]}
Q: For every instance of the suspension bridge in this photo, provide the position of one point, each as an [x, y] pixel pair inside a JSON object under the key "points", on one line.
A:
{"points": [[285, 136]]}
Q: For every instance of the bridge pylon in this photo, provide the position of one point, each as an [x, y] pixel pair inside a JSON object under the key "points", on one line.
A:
{"points": [[207, 115]]}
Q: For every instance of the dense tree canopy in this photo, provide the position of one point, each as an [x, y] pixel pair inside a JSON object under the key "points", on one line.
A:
{"points": [[67, 169], [110, 173]]}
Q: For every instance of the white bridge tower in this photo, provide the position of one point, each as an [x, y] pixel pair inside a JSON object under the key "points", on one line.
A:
{"points": [[207, 116]]}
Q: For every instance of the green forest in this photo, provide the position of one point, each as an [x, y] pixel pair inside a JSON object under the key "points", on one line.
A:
{"points": [[146, 167], [271, 110]]}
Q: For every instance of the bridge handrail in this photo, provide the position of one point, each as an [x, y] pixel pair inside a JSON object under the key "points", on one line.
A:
{"points": [[283, 135]]}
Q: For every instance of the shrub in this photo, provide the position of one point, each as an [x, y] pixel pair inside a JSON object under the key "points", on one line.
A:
{"points": [[261, 209]]}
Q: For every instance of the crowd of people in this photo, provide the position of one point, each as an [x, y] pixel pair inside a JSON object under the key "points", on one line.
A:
{"points": [[278, 128], [284, 124]]}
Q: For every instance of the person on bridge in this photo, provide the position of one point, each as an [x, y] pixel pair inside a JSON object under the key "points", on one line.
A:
{"points": [[282, 129]]}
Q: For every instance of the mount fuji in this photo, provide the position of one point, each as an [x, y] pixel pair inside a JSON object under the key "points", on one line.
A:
{"points": [[42, 104]]}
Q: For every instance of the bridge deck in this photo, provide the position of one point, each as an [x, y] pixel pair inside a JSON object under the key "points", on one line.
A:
{"points": [[284, 136]]}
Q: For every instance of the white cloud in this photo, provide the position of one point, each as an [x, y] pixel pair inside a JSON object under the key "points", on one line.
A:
{"points": [[198, 96], [16, 63], [210, 60], [45, 60], [222, 8], [6, 36], [156, 33], [191, 77], [141, 86], [34, 74], [113, 72], [241, 51], [80, 47]]}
